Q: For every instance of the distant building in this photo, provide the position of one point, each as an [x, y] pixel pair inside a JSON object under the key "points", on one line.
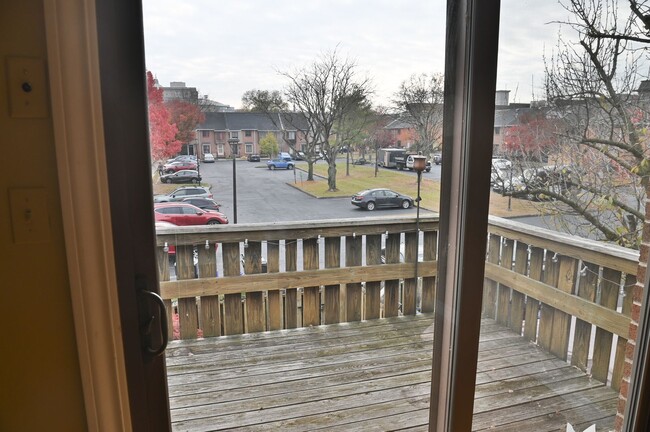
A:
{"points": [[177, 90], [208, 105], [249, 128]]}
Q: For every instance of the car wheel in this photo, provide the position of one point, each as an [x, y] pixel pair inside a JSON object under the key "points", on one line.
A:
{"points": [[406, 204], [214, 222], [289, 167], [165, 180], [195, 181], [170, 172], [272, 167], [370, 206]]}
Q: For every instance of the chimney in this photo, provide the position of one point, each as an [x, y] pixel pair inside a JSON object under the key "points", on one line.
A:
{"points": [[501, 99]]}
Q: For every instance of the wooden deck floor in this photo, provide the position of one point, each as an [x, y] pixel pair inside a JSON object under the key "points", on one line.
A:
{"points": [[370, 376]]}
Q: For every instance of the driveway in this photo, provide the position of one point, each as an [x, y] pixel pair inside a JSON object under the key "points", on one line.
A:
{"points": [[265, 196]]}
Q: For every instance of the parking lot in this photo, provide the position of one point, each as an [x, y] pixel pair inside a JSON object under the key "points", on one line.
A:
{"points": [[266, 196]]}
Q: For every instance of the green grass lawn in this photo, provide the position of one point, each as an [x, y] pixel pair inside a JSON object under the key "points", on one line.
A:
{"points": [[363, 177]]}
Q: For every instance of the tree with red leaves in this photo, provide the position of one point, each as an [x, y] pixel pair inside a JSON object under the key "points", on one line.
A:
{"points": [[531, 138], [186, 116], [162, 131]]}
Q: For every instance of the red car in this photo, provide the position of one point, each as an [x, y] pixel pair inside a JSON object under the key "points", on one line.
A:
{"points": [[172, 167], [183, 214]]}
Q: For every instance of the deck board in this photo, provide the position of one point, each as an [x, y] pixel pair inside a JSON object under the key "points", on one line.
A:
{"points": [[367, 376]]}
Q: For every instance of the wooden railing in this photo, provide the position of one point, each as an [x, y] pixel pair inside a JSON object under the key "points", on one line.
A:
{"points": [[570, 296], [236, 279]]}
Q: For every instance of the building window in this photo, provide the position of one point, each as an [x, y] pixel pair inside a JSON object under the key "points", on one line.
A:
{"points": [[220, 151], [220, 136], [234, 135], [497, 130], [291, 135], [205, 133], [206, 148], [248, 133], [249, 148]]}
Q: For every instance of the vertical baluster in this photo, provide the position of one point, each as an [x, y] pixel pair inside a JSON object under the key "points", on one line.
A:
{"points": [[332, 292], [188, 319], [410, 283], [503, 292], [586, 290], [353, 251], [373, 289], [490, 291], [255, 310], [429, 282], [291, 297], [391, 287], [603, 343], [562, 320], [518, 305], [532, 304], [163, 275], [274, 298], [311, 295], [550, 277], [233, 317], [210, 316], [619, 361]]}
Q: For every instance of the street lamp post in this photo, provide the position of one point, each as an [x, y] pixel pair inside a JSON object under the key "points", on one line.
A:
{"points": [[234, 147], [419, 165]]}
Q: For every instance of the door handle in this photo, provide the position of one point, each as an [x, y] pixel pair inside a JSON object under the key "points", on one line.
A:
{"points": [[148, 319]]}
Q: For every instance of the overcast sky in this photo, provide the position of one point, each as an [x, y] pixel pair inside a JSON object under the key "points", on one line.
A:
{"points": [[226, 47]]}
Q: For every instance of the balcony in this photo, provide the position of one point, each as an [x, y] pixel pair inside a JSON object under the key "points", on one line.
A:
{"points": [[325, 325]]}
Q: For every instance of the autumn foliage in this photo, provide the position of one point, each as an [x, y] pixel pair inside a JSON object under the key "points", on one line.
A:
{"points": [[162, 131], [185, 116], [531, 138]]}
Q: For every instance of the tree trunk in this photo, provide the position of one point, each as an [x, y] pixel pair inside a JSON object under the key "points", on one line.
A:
{"points": [[331, 177], [310, 170]]}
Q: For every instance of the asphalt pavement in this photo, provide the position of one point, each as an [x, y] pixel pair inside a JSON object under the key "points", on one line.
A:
{"points": [[267, 196]]}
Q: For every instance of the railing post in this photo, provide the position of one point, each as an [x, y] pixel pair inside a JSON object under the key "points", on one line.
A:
{"points": [[210, 316], [233, 316], [410, 281], [291, 296], [490, 297], [429, 282], [274, 297], [162, 256], [353, 252], [255, 310], [373, 289], [532, 304], [609, 287], [188, 319], [332, 292], [391, 287], [311, 295]]}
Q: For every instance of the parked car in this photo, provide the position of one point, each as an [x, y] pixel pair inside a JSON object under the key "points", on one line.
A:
{"points": [[184, 214], [285, 156], [202, 203], [381, 198], [181, 158], [360, 161], [183, 192], [437, 158], [172, 167], [208, 158], [299, 156], [182, 176], [253, 158], [279, 163], [501, 164]]}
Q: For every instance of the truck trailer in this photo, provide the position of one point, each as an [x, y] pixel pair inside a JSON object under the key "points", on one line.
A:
{"points": [[386, 157]]}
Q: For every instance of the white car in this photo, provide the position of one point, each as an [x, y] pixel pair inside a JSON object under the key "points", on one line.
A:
{"points": [[208, 157], [501, 164]]}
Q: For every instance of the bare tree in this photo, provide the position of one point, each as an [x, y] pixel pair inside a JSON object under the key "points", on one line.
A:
{"points": [[326, 94], [598, 172], [420, 98]]}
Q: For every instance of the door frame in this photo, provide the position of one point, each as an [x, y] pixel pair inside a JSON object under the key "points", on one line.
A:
{"points": [[73, 66], [99, 108]]}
